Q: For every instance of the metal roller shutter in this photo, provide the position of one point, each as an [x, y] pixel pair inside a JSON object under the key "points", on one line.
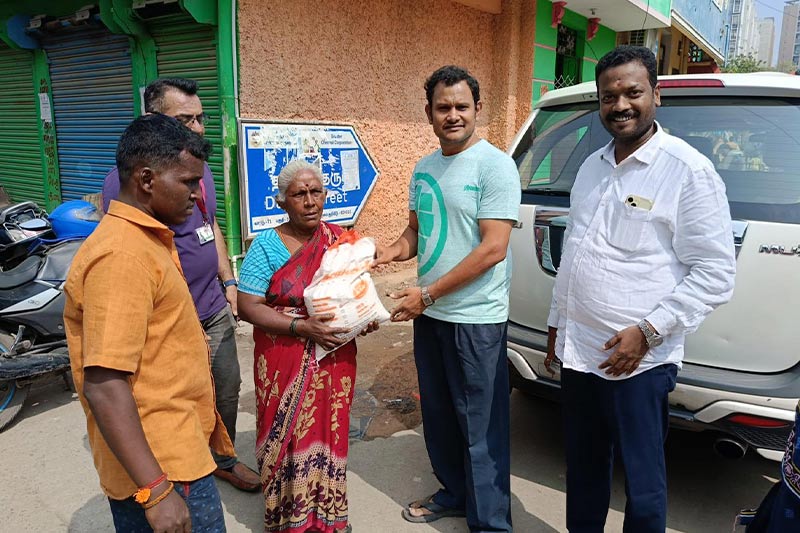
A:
{"points": [[186, 49], [20, 152], [90, 73]]}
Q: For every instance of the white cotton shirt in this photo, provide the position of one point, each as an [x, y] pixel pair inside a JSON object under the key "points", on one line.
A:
{"points": [[671, 263]]}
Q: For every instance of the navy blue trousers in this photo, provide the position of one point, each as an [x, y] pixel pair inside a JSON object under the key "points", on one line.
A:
{"points": [[779, 512], [629, 417], [463, 383]]}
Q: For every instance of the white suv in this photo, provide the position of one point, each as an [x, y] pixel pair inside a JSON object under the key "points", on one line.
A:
{"points": [[741, 372]]}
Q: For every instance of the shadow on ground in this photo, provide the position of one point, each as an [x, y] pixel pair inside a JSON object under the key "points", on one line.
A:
{"points": [[399, 468], [46, 394], [705, 491], [695, 473], [244, 508], [93, 516]]}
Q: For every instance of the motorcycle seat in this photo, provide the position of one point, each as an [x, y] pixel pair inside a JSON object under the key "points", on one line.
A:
{"points": [[22, 273]]}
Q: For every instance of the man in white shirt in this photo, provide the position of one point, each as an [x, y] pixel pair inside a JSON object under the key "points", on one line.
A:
{"points": [[648, 254]]}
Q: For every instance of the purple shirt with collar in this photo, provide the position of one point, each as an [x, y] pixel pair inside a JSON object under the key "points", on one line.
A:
{"points": [[200, 262]]}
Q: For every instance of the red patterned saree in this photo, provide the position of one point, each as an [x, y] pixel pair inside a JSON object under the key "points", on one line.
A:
{"points": [[303, 409]]}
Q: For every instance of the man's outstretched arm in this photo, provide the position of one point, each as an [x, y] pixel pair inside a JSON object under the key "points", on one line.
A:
{"points": [[404, 248]]}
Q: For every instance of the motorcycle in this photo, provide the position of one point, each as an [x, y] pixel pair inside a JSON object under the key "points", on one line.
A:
{"points": [[36, 251]]}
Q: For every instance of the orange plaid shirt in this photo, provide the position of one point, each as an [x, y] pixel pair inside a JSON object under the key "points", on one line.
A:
{"points": [[128, 308]]}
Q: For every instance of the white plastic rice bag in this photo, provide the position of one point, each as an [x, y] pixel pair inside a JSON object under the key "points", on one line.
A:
{"points": [[342, 286]]}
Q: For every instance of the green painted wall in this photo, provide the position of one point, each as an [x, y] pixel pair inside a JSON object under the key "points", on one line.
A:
{"points": [[544, 56], [53, 8], [47, 133], [226, 33], [603, 43], [662, 6]]}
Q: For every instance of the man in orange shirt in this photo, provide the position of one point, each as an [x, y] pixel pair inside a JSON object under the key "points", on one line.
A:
{"points": [[137, 349]]}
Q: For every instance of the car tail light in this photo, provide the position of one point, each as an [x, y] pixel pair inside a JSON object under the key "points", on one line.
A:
{"points": [[758, 421], [669, 84]]}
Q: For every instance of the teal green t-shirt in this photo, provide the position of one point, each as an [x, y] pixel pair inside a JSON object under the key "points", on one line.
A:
{"points": [[450, 194]]}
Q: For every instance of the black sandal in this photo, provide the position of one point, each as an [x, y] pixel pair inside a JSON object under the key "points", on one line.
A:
{"points": [[436, 511]]}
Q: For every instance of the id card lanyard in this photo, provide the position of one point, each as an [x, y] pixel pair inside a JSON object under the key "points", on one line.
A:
{"points": [[205, 233]]}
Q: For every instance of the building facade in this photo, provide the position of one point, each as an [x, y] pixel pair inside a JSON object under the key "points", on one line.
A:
{"points": [[572, 36], [74, 76], [789, 47], [364, 63], [766, 40], [78, 75], [695, 40], [743, 39]]}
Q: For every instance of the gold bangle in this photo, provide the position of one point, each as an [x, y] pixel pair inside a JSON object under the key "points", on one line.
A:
{"points": [[160, 497]]}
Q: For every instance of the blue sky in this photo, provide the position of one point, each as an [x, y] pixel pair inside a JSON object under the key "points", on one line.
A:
{"points": [[770, 8]]}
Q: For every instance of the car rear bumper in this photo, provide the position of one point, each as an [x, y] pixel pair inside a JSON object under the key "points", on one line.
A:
{"points": [[704, 398]]}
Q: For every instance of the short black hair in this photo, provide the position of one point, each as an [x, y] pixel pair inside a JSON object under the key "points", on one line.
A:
{"points": [[157, 141], [154, 93], [451, 75], [625, 54]]}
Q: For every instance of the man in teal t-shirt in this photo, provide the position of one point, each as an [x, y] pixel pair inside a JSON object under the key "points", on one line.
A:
{"points": [[463, 202]]}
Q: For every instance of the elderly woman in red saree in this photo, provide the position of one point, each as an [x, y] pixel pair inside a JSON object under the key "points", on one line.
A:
{"points": [[303, 407]]}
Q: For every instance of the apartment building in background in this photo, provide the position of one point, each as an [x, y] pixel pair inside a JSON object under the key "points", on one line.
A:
{"points": [[766, 40], [743, 38], [789, 48]]}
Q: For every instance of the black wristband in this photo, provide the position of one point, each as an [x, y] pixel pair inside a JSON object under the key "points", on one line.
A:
{"points": [[293, 327]]}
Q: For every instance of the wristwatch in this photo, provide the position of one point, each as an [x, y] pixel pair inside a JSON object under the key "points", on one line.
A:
{"points": [[426, 297], [228, 282], [651, 335]]}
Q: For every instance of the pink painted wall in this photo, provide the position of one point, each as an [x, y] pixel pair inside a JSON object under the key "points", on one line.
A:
{"points": [[364, 62]]}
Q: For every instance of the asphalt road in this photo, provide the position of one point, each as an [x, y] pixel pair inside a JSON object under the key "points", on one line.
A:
{"points": [[51, 485]]}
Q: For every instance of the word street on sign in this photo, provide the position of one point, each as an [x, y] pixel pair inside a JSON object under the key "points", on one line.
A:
{"points": [[266, 147]]}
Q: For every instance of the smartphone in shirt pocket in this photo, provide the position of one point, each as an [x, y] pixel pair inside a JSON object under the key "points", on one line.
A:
{"points": [[630, 220], [638, 202]]}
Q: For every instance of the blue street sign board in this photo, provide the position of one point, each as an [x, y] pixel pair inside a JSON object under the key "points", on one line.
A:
{"points": [[266, 147]]}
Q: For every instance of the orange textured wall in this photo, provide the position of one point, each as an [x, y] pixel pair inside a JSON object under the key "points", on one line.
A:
{"points": [[364, 62]]}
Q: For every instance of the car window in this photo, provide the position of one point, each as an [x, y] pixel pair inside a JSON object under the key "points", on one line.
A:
{"points": [[559, 140], [754, 143]]}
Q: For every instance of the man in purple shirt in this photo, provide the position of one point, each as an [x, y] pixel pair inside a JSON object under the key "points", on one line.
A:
{"points": [[205, 263]]}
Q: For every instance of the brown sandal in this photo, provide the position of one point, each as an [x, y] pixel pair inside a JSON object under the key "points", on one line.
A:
{"points": [[236, 481]]}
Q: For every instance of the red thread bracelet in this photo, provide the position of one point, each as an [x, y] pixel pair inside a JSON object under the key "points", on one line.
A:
{"points": [[143, 494], [157, 482]]}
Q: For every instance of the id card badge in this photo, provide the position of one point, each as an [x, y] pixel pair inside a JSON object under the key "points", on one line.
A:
{"points": [[205, 233]]}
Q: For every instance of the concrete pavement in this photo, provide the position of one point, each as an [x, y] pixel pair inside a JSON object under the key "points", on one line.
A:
{"points": [[50, 484]]}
